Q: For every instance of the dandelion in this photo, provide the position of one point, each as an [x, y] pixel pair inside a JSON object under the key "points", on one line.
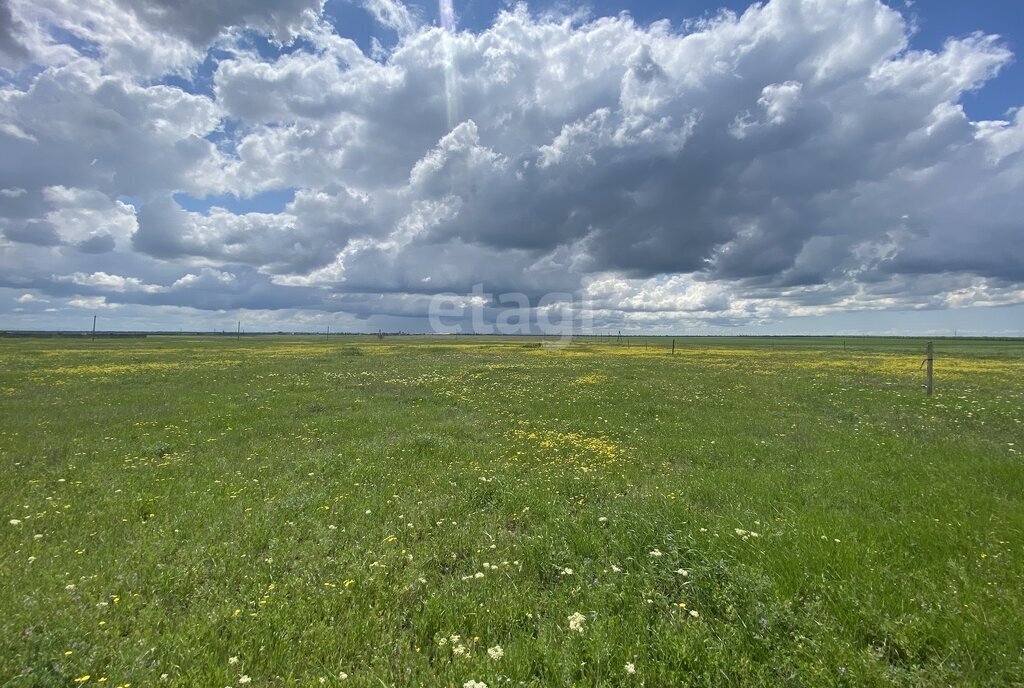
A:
{"points": [[630, 668], [576, 622], [495, 652]]}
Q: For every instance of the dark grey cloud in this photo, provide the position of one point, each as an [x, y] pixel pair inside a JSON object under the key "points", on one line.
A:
{"points": [[200, 21], [100, 243], [12, 51], [37, 232]]}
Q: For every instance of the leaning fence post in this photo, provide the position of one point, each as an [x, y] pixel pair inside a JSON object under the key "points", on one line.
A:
{"points": [[928, 370], [673, 347]]}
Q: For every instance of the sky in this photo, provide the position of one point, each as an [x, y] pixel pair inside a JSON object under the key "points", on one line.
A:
{"points": [[669, 167]]}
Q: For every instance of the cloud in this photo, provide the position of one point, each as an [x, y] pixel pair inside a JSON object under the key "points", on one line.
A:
{"points": [[92, 303], [144, 37], [392, 14], [797, 158], [104, 134], [11, 49], [200, 21]]}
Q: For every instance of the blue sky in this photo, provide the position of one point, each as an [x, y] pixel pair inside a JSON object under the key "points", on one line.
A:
{"points": [[789, 168]]}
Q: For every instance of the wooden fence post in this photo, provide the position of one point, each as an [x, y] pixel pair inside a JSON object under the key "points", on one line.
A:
{"points": [[929, 386], [673, 347]]}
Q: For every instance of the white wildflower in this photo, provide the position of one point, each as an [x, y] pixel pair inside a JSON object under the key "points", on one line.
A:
{"points": [[495, 652], [576, 622], [656, 553], [630, 668]]}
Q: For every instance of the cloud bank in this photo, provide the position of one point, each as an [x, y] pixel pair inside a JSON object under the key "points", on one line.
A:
{"points": [[797, 159]]}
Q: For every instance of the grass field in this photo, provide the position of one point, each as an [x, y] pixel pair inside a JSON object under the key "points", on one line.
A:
{"points": [[440, 512]]}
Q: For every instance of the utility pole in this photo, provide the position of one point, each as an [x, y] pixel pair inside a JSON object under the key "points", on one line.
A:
{"points": [[94, 328], [238, 333]]}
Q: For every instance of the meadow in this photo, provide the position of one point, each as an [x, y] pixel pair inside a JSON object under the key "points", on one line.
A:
{"points": [[422, 511]]}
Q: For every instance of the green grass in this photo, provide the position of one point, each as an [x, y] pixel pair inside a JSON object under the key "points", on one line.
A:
{"points": [[315, 507]]}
